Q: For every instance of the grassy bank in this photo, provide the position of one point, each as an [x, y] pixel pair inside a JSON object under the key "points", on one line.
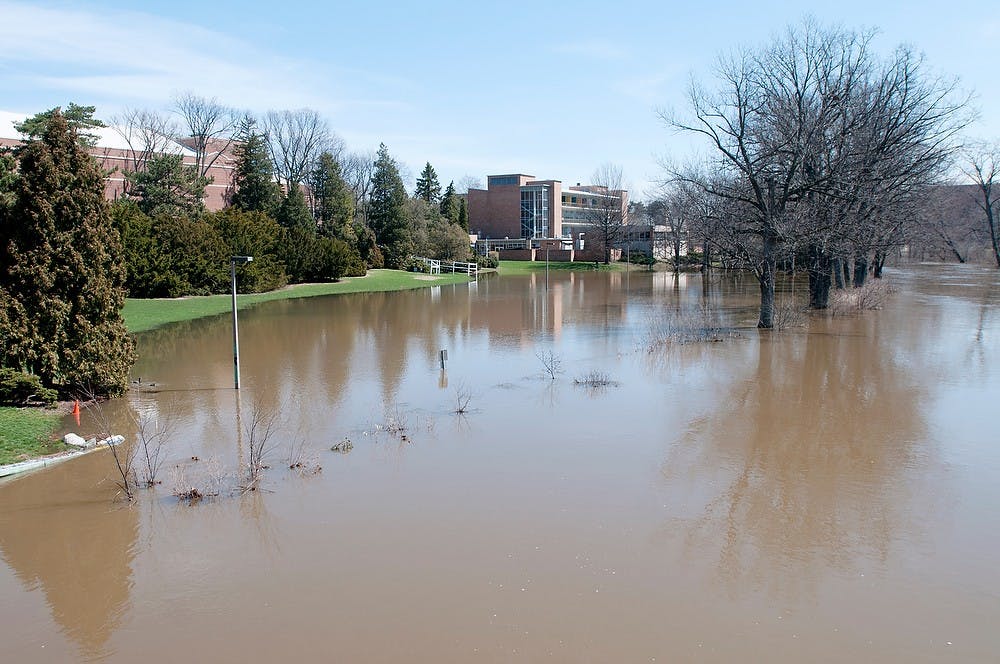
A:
{"points": [[24, 433], [527, 267], [142, 315]]}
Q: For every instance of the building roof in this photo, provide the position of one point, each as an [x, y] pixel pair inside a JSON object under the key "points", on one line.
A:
{"points": [[108, 137]]}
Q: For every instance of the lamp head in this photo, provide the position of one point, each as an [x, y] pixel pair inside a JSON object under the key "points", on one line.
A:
{"points": [[241, 260]]}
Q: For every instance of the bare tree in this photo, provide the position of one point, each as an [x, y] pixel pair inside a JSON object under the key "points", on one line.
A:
{"points": [[358, 169], [817, 144], [153, 431], [606, 212], [211, 127], [982, 166], [259, 431], [296, 139], [551, 362], [147, 134], [467, 182]]}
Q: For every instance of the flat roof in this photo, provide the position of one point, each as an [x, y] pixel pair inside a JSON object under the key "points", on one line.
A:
{"points": [[108, 137]]}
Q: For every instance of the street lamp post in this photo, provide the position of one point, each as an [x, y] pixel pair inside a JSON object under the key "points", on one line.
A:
{"points": [[233, 262]]}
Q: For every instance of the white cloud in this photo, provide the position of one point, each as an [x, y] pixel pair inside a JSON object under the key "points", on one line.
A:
{"points": [[140, 57]]}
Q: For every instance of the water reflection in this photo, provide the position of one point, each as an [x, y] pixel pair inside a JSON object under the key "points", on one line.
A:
{"points": [[64, 537], [809, 455], [716, 482]]}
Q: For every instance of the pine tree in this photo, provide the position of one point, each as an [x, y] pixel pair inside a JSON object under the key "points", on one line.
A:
{"points": [[62, 277], [428, 187], [168, 186], [463, 214], [386, 210], [333, 199], [79, 118], [294, 212], [8, 176], [449, 204], [254, 187]]}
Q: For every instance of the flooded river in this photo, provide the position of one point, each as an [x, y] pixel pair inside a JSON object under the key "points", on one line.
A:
{"points": [[823, 494]]}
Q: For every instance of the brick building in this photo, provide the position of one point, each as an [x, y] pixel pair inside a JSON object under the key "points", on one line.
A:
{"points": [[521, 207], [118, 157]]}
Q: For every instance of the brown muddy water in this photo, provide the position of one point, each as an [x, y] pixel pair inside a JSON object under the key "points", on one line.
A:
{"points": [[824, 494]]}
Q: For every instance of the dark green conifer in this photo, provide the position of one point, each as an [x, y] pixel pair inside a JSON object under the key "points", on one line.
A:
{"points": [[428, 187], [62, 273], [386, 210]]}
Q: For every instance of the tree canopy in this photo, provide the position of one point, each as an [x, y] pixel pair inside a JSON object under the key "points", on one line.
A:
{"points": [[62, 281]]}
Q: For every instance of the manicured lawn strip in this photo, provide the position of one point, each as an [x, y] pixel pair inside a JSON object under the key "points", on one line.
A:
{"points": [[527, 267], [24, 433], [142, 315]]}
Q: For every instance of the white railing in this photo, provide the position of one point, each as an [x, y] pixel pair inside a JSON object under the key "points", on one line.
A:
{"points": [[438, 266]]}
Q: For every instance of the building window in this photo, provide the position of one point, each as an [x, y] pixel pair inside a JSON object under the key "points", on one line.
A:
{"points": [[502, 180], [574, 199], [534, 212]]}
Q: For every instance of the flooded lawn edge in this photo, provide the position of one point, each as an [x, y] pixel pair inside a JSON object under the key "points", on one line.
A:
{"points": [[142, 315]]}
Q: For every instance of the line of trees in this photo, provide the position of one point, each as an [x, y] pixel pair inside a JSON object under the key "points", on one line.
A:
{"points": [[299, 202], [306, 207], [821, 152]]}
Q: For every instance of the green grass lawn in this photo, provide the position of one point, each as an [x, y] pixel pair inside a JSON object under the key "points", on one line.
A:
{"points": [[527, 267], [142, 315], [24, 433]]}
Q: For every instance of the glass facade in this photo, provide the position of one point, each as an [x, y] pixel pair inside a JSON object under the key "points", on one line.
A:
{"points": [[535, 211]]}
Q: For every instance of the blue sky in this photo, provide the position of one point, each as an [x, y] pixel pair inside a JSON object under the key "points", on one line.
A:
{"points": [[475, 88]]}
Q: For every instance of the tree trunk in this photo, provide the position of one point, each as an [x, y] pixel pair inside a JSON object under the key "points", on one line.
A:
{"points": [[838, 273], [705, 261], [819, 278], [879, 264], [847, 272], [993, 230], [677, 252], [860, 270], [766, 278]]}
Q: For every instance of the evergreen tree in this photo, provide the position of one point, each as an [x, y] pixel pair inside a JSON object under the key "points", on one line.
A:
{"points": [[168, 187], [79, 118], [428, 187], [332, 198], [62, 276], [463, 214], [449, 204], [8, 177], [294, 211], [386, 210], [254, 188], [251, 234]]}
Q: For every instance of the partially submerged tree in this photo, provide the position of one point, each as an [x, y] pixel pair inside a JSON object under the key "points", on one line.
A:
{"points": [[606, 214], [982, 166], [815, 142]]}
